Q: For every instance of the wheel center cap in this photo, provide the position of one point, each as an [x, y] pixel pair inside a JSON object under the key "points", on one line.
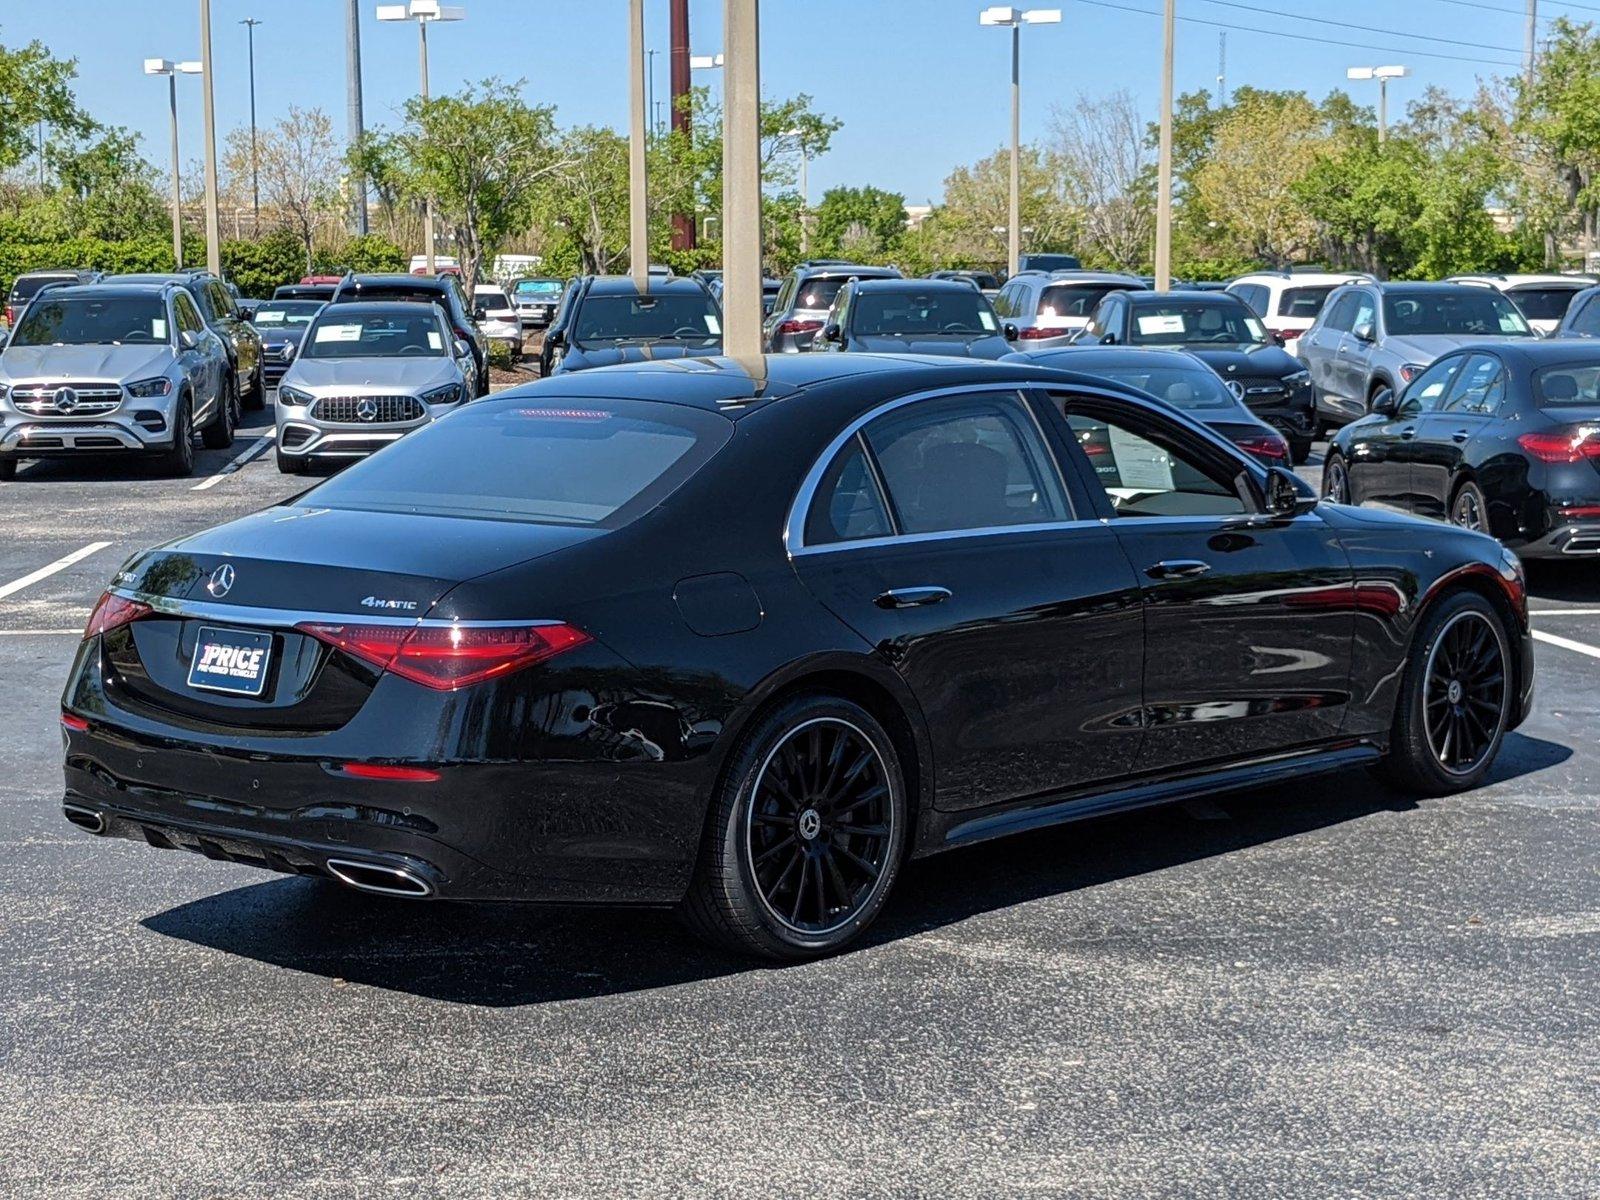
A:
{"points": [[810, 824], [1455, 692]]}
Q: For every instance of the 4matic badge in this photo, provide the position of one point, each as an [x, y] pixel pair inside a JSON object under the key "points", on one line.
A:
{"points": [[400, 605]]}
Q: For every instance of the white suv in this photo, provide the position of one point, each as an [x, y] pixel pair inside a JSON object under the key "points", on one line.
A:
{"points": [[1543, 299], [1288, 302]]}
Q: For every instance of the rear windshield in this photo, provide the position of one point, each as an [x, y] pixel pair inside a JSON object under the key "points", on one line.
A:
{"points": [[539, 287], [1196, 323], [819, 291], [490, 298], [1304, 303], [27, 287], [102, 321], [1576, 384], [923, 314], [1544, 303], [1463, 311], [395, 292], [1075, 299], [276, 314], [1052, 262], [540, 459], [1188, 389], [680, 316], [351, 332]]}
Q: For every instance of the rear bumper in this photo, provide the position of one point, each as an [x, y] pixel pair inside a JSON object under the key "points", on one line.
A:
{"points": [[1569, 540]]}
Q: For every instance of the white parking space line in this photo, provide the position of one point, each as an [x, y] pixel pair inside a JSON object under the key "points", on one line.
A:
{"points": [[60, 564], [5, 633], [239, 460], [1540, 635], [1564, 612]]}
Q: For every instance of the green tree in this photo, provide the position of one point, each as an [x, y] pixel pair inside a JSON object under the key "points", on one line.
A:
{"points": [[858, 220], [300, 166], [1559, 116], [36, 86], [971, 224], [107, 188]]}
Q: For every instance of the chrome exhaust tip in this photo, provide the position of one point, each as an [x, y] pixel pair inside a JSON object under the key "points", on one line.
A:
{"points": [[84, 818], [379, 879]]}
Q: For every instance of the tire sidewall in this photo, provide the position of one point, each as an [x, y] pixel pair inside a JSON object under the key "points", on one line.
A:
{"points": [[181, 460], [1336, 461], [736, 791], [1413, 725], [1479, 498]]}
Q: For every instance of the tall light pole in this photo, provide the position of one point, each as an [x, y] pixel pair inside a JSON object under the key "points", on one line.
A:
{"points": [[1529, 42], [250, 24], [1015, 19], [213, 225], [163, 66], [1163, 263], [1382, 75], [799, 136], [354, 123], [423, 12], [741, 181], [638, 215], [650, 72], [678, 116]]}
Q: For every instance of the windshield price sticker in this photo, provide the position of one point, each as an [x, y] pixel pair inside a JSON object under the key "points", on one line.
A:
{"points": [[714, 325], [338, 333], [1161, 323], [986, 320]]}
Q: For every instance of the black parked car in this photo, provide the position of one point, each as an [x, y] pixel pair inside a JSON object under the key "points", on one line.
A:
{"points": [[1582, 318], [282, 324], [677, 635], [1502, 437], [219, 307], [30, 283], [801, 305], [1174, 377], [606, 319], [305, 291], [913, 316], [1224, 333], [441, 290]]}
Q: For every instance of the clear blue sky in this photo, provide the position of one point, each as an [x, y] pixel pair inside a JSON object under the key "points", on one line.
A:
{"points": [[919, 85]]}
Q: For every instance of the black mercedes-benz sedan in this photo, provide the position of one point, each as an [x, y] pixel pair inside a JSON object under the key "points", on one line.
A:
{"points": [[677, 634], [1502, 437]]}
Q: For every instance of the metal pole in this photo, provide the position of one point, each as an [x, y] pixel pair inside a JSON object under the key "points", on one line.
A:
{"points": [[1014, 219], [1528, 42], [250, 24], [1222, 69], [683, 231], [651, 76], [41, 154], [213, 226], [177, 188], [354, 130], [638, 218], [1163, 278], [805, 201], [427, 201], [1383, 110], [741, 180]]}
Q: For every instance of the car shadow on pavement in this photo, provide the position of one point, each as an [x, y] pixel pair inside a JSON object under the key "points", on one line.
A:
{"points": [[501, 955]]}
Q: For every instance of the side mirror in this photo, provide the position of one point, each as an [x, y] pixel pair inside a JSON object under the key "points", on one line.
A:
{"points": [[555, 338], [1109, 339], [290, 349], [462, 349], [1364, 332], [1277, 337], [1010, 331], [480, 313], [188, 339], [1283, 495], [246, 314], [832, 333], [1385, 403]]}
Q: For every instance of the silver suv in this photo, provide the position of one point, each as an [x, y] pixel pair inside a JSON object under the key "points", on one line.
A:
{"points": [[365, 375], [1050, 308], [114, 367]]}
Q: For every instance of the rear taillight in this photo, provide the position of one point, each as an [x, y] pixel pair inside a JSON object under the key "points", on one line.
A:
{"points": [[797, 326], [112, 612], [448, 656], [1033, 333], [11, 316], [1581, 512], [1561, 445], [1265, 445]]}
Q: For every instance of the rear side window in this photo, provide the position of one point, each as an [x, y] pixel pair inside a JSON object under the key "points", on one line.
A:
{"points": [[540, 459], [1576, 383], [849, 505], [965, 463], [1302, 303], [27, 287], [1586, 321], [1543, 303]]}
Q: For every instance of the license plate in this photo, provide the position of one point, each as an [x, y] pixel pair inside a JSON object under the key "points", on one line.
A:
{"points": [[230, 660]]}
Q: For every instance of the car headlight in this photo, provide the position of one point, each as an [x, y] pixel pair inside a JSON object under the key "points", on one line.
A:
{"points": [[1297, 379], [290, 395], [450, 393], [1410, 371], [5, 390], [146, 388]]}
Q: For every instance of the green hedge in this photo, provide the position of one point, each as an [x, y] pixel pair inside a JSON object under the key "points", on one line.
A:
{"points": [[114, 258]]}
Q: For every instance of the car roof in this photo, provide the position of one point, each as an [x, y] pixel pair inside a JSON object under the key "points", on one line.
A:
{"points": [[436, 283], [1301, 278], [956, 287], [158, 277], [1185, 297], [1070, 277], [398, 307], [624, 285], [1090, 358], [1576, 282], [119, 287], [1537, 352], [848, 269]]}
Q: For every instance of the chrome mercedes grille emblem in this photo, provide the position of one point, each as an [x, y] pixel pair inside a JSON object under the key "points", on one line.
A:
{"points": [[1236, 388], [367, 410], [66, 400]]}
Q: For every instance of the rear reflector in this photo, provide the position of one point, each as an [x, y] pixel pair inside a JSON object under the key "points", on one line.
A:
{"points": [[1561, 446], [394, 774], [448, 656], [111, 612], [74, 721]]}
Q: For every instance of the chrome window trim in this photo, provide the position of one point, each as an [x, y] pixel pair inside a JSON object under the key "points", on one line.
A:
{"points": [[288, 618], [794, 527]]}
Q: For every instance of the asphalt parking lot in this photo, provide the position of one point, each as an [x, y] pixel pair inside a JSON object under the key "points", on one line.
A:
{"points": [[1323, 990]]}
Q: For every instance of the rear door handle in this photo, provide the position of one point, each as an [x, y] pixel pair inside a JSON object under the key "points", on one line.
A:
{"points": [[1460, 435], [1177, 568], [1408, 433], [912, 597]]}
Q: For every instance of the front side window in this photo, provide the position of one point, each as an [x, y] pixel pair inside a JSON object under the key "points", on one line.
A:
{"points": [[1479, 388], [187, 315], [1366, 313], [342, 332], [1342, 316], [1146, 478], [93, 321], [965, 463], [1459, 311], [1427, 391]]}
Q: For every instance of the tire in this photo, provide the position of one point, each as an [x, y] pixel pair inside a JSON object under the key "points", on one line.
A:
{"points": [[1469, 509], [179, 461], [8, 469], [777, 876], [1299, 451], [289, 464], [258, 388], [1335, 479], [218, 433], [1455, 699]]}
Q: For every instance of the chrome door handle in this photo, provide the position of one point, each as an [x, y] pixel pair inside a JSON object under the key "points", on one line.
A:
{"points": [[912, 597], [1460, 435], [1177, 568], [1408, 434]]}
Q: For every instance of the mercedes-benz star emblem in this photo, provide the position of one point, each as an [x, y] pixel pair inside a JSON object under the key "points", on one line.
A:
{"points": [[1236, 388], [221, 581], [367, 410], [66, 400]]}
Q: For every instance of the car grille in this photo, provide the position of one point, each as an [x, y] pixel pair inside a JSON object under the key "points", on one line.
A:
{"points": [[355, 410], [84, 400], [1261, 390]]}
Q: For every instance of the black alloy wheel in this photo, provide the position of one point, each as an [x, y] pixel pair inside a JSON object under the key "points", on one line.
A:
{"points": [[1468, 509], [179, 461], [218, 432], [1335, 480], [258, 387], [806, 832]]}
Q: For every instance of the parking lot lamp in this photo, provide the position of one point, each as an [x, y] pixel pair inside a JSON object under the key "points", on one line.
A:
{"points": [[1382, 75], [424, 13], [1014, 19], [163, 66]]}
